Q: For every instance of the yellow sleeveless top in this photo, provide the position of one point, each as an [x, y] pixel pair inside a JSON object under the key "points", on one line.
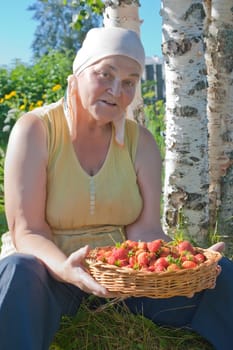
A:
{"points": [[83, 209]]}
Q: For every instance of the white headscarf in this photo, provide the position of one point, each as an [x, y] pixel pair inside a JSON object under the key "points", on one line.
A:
{"points": [[98, 44]]}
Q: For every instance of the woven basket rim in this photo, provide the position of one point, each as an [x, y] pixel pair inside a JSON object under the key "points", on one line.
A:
{"points": [[127, 282], [213, 257]]}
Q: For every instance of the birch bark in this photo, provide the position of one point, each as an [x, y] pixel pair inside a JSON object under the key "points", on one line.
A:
{"points": [[186, 161], [219, 59]]}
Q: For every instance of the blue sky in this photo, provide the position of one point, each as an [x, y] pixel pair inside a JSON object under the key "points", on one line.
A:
{"points": [[17, 29]]}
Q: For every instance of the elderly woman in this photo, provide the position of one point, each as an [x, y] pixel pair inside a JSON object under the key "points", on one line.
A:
{"points": [[79, 174]]}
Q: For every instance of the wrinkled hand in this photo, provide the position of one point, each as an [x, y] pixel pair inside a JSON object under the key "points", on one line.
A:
{"points": [[217, 247], [75, 272]]}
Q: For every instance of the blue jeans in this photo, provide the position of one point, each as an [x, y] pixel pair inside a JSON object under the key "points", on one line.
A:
{"points": [[32, 303]]}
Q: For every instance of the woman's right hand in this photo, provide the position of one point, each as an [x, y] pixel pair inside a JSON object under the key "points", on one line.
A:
{"points": [[75, 272]]}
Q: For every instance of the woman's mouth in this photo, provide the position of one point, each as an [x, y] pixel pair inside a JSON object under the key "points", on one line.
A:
{"points": [[113, 104]]}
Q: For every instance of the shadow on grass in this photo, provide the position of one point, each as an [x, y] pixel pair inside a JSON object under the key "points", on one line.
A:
{"points": [[104, 328]]}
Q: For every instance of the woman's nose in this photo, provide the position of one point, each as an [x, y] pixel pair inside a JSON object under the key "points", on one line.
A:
{"points": [[115, 87]]}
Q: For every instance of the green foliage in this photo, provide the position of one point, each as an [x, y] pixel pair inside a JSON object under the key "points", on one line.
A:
{"points": [[154, 114], [23, 88], [86, 13], [26, 87], [59, 33], [114, 327], [155, 123], [114, 3]]}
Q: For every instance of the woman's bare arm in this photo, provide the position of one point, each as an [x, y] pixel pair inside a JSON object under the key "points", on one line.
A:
{"points": [[25, 200], [25, 186], [148, 166]]}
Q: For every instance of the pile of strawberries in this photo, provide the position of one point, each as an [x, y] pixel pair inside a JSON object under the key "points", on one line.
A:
{"points": [[155, 256]]}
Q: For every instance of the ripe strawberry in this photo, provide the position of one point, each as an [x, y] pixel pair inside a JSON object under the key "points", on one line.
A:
{"points": [[189, 264], [151, 268], [152, 258], [199, 258], [139, 251], [130, 245], [175, 255], [103, 254], [173, 267], [142, 245], [119, 253], [159, 268], [185, 255], [164, 251], [143, 259], [154, 246], [162, 261], [121, 262], [132, 261], [185, 246], [111, 260]]}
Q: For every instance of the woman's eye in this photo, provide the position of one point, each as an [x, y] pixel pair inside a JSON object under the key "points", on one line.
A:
{"points": [[129, 83], [105, 75]]}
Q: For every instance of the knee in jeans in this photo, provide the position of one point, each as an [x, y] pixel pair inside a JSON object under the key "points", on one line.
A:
{"points": [[24, 264]]}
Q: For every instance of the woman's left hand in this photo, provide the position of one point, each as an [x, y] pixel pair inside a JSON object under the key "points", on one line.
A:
{"points": [[218, 247], [74, 271]]}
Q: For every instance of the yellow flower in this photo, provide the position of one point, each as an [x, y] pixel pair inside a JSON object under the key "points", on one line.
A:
{"points": [[31, 107], [56, 87], [1, 100], [39, 103], [22, 107], [13, 93], [10, 95]]}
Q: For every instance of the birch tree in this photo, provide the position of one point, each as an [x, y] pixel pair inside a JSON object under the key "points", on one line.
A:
{"points": [[125, 14], [219, 59], [186, 161]]}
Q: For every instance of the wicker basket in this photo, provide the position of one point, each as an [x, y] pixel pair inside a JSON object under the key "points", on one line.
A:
{"points": [[126, 282]]}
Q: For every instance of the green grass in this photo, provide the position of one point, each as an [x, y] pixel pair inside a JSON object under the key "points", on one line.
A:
{"points": [[106, 328]]}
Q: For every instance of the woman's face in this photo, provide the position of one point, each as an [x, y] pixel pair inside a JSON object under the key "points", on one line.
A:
{"points": [[106, 88]]}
